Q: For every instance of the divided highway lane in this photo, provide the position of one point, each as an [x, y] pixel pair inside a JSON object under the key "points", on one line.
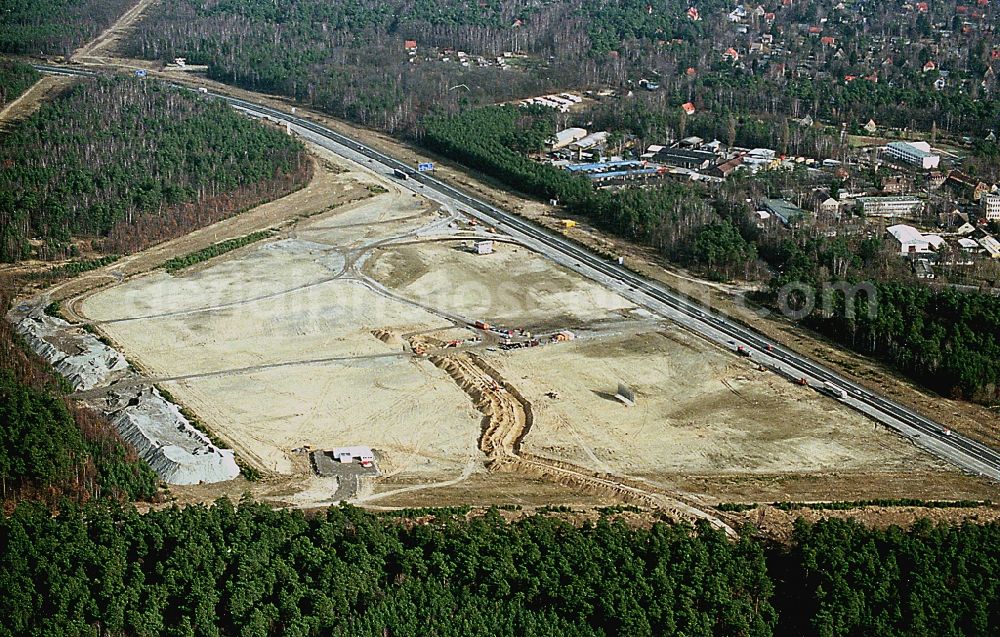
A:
{"points": [[967, 454]]}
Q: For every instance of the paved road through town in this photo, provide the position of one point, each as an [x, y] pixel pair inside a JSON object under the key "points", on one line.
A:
{"points": [[965, 453]]}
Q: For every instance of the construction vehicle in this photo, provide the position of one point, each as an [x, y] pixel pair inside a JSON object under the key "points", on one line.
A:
{"points": [[568, 223]]}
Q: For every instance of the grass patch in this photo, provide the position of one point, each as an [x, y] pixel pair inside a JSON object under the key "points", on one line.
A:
{"points": [[76, 268], [212, 251], [436, 512], [859, 504]]}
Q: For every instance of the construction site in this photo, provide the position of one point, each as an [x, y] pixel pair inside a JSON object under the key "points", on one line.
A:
{"points": [[479, 372]]}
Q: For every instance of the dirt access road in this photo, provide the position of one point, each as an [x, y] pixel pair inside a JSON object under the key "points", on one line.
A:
{"points": [[106, 41]]}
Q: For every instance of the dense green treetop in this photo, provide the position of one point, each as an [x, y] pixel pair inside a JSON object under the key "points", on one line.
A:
{"points": [[137, 161], [15, 79], [58, 27]]}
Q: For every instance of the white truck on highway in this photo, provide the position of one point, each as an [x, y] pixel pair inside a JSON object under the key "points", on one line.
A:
{"points": [[834, 390]]}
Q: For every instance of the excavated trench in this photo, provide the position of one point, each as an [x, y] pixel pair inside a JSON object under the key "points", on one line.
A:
{"points": [[507, 419]]}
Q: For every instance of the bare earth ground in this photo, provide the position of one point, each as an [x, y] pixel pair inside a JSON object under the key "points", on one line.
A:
{"points": [[970, 419], [432, 467], [308, 340]]}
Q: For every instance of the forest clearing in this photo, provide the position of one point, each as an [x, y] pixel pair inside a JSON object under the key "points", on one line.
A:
{"points": [[336, 331]]}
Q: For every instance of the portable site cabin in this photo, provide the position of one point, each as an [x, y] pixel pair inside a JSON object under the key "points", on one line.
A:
{"points": [[348, 454]]}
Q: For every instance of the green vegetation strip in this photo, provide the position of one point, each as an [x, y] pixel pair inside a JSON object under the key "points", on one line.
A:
{"points": [[179, 263], [75, 268], [859, 504]]}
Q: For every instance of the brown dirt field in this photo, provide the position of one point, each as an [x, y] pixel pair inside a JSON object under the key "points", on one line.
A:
{"points": [[513, 286], [778, 525], [646, 262]]}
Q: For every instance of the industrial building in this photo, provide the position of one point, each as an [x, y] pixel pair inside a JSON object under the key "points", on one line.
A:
{"points": [[348, 454], [787, 212], [566, 137], [891, 206], [614, 172], [690, 159], [916, 153], [911, 240]]}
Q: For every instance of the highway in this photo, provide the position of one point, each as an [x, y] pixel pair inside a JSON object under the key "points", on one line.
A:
{"points": [[965, 453]]}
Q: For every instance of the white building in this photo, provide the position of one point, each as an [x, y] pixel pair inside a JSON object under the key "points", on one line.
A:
{"points": [[916, 153], [891, 206], [567, 136], [991, 207], [991, 245], [968, 245], [911, 241], [348, 454], [591, 140]]}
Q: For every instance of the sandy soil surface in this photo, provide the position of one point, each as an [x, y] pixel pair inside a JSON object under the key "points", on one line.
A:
{"points": [[333, 185], [513, 286], [272, 346], [707, 423], [308, 340]]}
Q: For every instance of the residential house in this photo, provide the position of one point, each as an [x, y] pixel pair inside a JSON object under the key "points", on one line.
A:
{"points": [[966, 186], [830, 207], [896, 185]]}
